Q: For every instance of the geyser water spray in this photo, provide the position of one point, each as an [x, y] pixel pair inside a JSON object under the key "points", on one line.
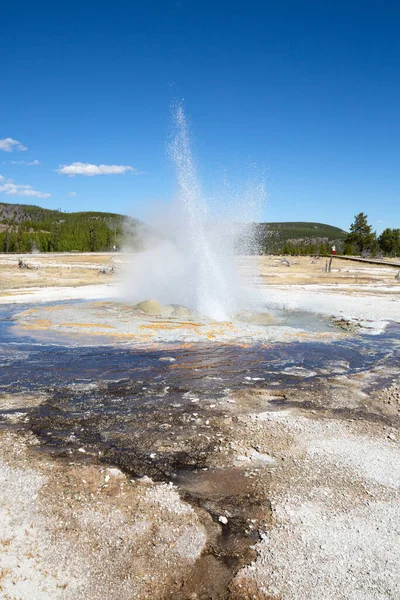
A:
{"points": [[191, 260]]}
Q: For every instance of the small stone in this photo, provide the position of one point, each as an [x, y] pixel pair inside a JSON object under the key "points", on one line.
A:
{"points": [[223, 520], [81, 450], [114, 472]]}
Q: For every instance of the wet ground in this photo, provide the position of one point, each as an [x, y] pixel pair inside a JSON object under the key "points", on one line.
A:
{"points": [[163, 413]]}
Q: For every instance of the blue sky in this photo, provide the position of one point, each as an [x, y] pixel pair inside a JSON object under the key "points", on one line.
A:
{"points": [[308, 92]]}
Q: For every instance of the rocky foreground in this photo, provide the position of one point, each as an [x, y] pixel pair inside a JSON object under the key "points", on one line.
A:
{"points": [[299, 500]]}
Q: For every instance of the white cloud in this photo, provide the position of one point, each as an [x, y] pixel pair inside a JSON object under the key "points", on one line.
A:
{"points": [[24, 162], [13, 189], [78, 168], [71, 193], [8, 145]]}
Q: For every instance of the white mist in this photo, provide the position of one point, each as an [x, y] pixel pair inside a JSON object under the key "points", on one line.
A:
{"points": [[191, 262]]}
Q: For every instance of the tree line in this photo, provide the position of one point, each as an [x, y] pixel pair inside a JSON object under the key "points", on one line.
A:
{"points": [[363, 241], [297, 238], [32, 229], [26, 228]]}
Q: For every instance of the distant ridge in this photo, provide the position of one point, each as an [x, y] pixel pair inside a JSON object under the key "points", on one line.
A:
{"points": [[299, 237], [27, 228]]}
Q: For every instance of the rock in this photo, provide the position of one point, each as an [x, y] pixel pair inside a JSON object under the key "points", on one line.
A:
{"points": [[114, 472], [223, 520], [150, 307], [167, 311], [180, 312], [257, 318], [261, 457]]}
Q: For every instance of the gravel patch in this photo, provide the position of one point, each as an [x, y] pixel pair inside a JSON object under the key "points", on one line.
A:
{"points": [[79, 532], [377, 461], [336, 527], [27, 555], [314, 554]]}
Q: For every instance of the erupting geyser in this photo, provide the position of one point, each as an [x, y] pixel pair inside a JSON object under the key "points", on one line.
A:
{"points": [[192, 260]]}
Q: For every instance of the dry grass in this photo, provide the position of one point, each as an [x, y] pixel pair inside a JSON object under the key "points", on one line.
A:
{"points": [[305, 270], [69, 270], [54, 270]]}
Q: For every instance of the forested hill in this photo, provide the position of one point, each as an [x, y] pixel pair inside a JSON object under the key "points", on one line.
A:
{"points": [[299, 237], [26, 228]]}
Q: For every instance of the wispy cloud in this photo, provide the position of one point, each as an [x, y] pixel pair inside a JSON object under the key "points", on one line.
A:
{"points": [[25, 162], [13, 189], [71, 193], [78, 168], [8, 145]]}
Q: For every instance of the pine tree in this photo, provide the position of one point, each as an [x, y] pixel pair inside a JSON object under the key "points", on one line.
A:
{"points": [[389, 241], [361, 238]]}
